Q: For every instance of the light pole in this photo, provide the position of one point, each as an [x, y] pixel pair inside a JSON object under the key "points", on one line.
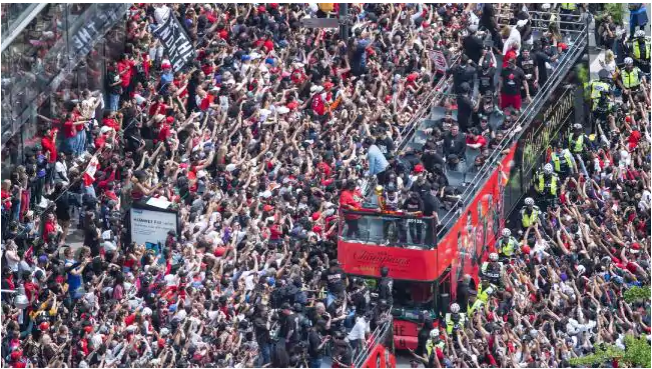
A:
{"points": [[344, 21]]}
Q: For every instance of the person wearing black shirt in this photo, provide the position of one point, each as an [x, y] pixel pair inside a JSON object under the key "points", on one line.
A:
{"points": [[510, 82], [472, 44], [413, 205], [342, 352], [385, 286], [463, 72], [288, 334], [316, 343], [464, 107], [335, 280], [486, 73], [431, 203], [446, 122], [261, 329], [385, 144], [430, 156], [454, 142], [528, 65], [541, 58]]}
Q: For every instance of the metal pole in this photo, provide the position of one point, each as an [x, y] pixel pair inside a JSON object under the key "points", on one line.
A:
{"points": [[344, 21]]}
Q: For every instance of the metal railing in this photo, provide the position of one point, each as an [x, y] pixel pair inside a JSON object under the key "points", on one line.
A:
{"points": [[378, 336]]}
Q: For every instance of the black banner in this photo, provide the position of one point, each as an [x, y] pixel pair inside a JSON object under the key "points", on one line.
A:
{"points": [[177, 44]]}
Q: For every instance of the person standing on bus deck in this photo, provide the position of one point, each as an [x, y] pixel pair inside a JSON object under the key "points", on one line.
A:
{"points": [[386, 286], [414, 206], [350, 200], [376, 159], [336, 282], [391, 202], [509, 84]]}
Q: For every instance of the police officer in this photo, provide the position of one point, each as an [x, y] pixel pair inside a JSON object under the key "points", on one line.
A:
{"points": [[640, 49], [454, 320], [567, 12], [385, 286], [529, 213], [577, 140], [506, 245], [492, 270], [562, 161], [601, 97], [547, 183], [478, 298], [630, 78], [527, 63]]}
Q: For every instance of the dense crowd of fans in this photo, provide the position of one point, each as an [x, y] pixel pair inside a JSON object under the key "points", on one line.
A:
{"points": [[257, 144]]}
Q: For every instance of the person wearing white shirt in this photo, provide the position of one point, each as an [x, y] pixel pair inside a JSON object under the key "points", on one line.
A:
{"points": [[359, 331]]}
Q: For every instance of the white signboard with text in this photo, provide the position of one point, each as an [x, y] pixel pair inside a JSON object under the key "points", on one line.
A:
{"points": [[151, 226]]}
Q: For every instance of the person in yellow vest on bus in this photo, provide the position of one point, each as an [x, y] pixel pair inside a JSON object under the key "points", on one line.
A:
{"points": [[577, 140], [631, 78], [641, 51], [529, 213], [454, 320], [562, 161]]}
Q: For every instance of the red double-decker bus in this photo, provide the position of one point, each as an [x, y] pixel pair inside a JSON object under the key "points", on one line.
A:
{"points": [[406, 245], [425, 262]]}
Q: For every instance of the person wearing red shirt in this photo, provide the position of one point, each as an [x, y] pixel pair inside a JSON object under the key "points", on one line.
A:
{"points": [[50, 228], [110, 120], [158, 107], [71, 128], [475, 140], [48, 145], [207, 101], [125, 66], [165, 130], [318, 103], [350, 200]]}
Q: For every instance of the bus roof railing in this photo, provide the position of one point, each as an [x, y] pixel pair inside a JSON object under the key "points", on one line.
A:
{"points": [[391, 214]]}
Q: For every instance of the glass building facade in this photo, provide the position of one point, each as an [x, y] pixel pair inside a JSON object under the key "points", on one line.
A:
{"points": [[59, 53]]}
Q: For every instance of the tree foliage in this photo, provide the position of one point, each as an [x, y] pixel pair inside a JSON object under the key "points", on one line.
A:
{"points": [[636, 354], [637, 294]]}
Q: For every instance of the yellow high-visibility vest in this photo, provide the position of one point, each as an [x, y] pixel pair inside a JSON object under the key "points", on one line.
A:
{"points": [[636, 52], [630, 79], [569, 6], [528, 220], [556, 162], [576, 146]]}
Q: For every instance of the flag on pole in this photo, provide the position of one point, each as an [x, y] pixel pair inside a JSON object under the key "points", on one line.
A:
{"points": [[89, 174]]}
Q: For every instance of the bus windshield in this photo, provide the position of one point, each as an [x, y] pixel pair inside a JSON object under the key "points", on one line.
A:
{"points": [[374, 228]]}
